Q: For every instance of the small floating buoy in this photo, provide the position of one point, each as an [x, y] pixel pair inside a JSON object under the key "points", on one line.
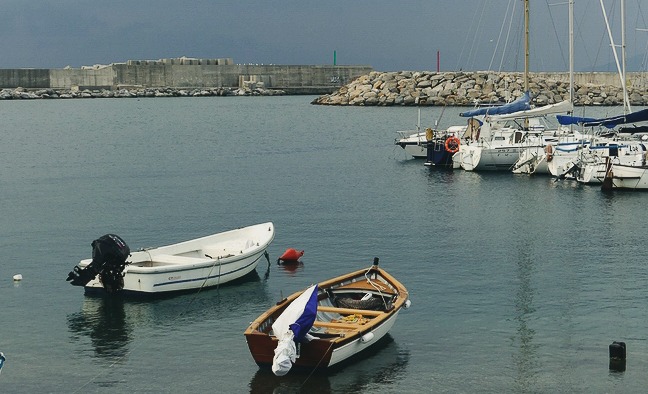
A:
{"points": [[290, 256], [17, 277], [618, 356]]}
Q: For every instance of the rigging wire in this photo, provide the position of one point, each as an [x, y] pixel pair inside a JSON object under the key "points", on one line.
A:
{"points": [[471, 62], [508, 35], [468, 33], [553, 24], [499, 37]]}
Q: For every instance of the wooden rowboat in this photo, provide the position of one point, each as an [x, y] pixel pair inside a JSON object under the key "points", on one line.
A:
{"points": [[354, 311]]}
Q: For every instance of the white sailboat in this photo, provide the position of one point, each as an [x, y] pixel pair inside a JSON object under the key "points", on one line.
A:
{"points": [[501, 138], [616, 163]]}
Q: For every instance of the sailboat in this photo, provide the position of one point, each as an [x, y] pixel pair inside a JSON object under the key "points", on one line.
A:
{"points": [[537, 159], [501, 138], [614, 162]]}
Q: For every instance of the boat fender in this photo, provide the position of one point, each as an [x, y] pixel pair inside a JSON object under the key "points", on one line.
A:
{"points": [[452, 144], [367, 337], [429, 134], [408, 303], [290, 256], [549, 152]]}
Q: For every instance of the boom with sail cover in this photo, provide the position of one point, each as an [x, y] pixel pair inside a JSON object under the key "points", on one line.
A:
{"points": [[611, 122], [520, 104], [563, 106]]}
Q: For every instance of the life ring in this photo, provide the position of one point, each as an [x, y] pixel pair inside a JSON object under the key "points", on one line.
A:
{"points": [[452, 144], [549, 152]]}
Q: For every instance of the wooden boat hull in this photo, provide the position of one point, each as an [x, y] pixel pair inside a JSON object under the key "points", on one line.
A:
{"points": [[336, 337], [199, 263]]}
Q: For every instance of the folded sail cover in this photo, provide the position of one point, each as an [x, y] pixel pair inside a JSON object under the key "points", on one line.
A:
{"points": [[520, 104], [563, 106], [633, 117], [292, 326]]}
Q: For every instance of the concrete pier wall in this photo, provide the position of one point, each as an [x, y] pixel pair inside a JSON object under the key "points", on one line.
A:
{"points": [[291, 78]]}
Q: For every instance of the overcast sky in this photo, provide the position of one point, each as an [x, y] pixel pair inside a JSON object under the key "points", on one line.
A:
{"points": [[387, 35]]}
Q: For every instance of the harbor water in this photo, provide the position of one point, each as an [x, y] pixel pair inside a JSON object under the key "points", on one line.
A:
{"points": [[518, 283]]}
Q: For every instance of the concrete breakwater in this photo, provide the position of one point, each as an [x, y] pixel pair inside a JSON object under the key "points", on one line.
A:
{"points": [[23, 94], [185, 74], [469, 88]]}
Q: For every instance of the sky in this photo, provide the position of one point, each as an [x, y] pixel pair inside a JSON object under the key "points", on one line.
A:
{"points": [[412, 35]]}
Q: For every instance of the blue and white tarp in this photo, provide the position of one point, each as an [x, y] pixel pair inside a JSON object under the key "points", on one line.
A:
{"points": [[520, 104], [292, 326]]}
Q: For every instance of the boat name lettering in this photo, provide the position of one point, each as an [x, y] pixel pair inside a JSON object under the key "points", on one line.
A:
{"points": [[174, 277]]}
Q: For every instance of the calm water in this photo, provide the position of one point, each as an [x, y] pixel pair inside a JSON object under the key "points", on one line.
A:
{"points": [[518, 284]]}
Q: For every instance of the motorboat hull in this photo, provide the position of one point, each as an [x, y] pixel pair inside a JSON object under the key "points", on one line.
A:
{"points": [[200, 263]]}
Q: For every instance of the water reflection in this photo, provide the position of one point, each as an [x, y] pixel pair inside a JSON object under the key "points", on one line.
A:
{"points": [[110, 321], [104, 321], [526, 359], [291, 268], [383, 364]]}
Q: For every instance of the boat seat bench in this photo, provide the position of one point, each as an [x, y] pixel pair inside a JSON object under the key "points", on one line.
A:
{"points": [[345, 326], [363, 285], [347, 311]]}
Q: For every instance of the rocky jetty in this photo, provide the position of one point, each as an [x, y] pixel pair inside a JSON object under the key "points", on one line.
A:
{"points": [[24, 94], [470, 88]]}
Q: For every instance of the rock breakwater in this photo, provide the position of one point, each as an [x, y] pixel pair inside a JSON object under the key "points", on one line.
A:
{"points": [[24, 94], [468, 88]]}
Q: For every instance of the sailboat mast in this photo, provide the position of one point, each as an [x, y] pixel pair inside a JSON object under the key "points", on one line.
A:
{"points": [[571, 51], [626, 100], [526, 45], [623, 57]]}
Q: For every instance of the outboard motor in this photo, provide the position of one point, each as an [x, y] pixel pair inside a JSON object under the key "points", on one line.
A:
{"points": [[109, 254]]}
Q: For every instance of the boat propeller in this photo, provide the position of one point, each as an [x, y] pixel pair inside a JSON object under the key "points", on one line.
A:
{"points": [[109, 254]]}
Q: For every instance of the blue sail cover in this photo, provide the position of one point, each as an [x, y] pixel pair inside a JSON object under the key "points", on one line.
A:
{"points": [[567, 120], [611, 122], [522, 103], [305, 321]]}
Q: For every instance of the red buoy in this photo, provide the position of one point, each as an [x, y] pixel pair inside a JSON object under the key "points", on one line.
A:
{"points": [[291, 255]]}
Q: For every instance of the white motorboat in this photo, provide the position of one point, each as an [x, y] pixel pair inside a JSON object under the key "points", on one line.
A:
{"points": [[199, 263]]}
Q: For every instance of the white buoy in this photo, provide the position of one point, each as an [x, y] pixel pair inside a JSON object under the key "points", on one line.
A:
{"points": [[367, 337], [17, 277], [408, 303]]}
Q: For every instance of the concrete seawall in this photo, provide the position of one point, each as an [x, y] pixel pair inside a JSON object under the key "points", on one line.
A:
{"points": [[293, 79]]}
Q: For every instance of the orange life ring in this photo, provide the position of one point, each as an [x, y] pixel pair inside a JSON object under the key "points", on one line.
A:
{"points": [[452, 144]]}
